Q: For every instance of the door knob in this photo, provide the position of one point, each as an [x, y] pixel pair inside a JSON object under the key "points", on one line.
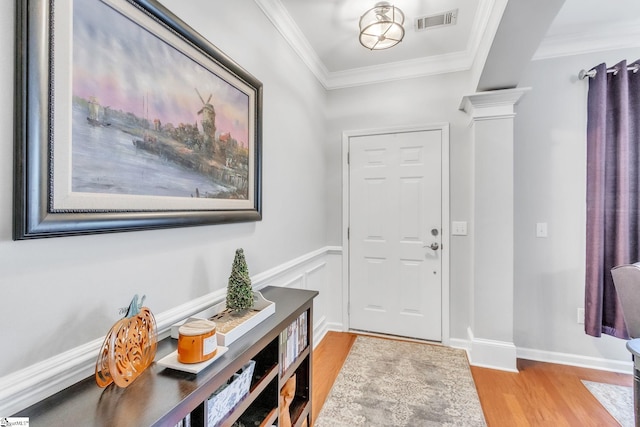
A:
{"points": [[434, 246]]}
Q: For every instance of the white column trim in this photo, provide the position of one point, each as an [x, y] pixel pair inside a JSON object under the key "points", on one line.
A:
{"points": [[492, 104], [569, 359], [492, 354], [498, 105]]}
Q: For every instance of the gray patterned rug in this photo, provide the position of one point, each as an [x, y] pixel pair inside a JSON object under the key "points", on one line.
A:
{"points": [[616, 399], [397, 383]]}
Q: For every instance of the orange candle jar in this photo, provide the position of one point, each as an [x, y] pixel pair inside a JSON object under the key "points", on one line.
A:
{"points": [[197, 341]]}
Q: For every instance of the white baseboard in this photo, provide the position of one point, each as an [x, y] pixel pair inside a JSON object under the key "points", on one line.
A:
{"points": [[460, 343], [336, 326], [23, 388], [577, 360], [601, 364], [319, 330], [492, 354], [623, 367]]}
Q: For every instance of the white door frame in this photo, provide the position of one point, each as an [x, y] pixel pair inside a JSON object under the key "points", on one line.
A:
{"points": [[446, 247]]}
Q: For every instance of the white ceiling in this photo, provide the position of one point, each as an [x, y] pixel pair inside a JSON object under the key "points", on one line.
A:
{"points": [[584, 26], [325, 35], [331, 27]]}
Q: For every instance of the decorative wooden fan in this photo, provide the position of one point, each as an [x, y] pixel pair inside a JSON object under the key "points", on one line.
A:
{"points": [[129, 347]]}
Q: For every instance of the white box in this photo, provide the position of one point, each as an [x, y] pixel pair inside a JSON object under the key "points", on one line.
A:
{"points": [[266, 307]]}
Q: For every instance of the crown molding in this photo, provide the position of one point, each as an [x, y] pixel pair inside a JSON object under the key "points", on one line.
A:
{"points": [[589, 41], [284, 23], [486, 10], [453, 62], [420, 67]]}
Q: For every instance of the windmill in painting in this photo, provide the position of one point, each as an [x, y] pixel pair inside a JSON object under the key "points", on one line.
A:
{"points": [[208, 114]]}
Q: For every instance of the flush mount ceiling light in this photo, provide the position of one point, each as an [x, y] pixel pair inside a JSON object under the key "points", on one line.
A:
{"points": [[381, 27]]}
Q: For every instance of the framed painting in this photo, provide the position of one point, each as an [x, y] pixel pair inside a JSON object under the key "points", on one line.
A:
{"points": [[128, 119]]}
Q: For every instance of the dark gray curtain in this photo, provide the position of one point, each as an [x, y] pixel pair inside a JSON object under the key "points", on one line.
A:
{"points": [[613, 166]]}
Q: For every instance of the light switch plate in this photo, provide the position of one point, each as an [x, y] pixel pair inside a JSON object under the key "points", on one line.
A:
{"points": [[459, 228]]}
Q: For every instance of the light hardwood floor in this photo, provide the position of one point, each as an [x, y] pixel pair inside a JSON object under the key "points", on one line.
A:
{"points": [[541, 394]]}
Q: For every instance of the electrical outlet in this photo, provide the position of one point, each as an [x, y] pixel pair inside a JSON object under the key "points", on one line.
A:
{"points": [[541, 229], [580, 316]]}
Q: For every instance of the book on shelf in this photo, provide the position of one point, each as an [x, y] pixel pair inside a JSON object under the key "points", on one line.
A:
{"points": [[293, 341], [185, 422]]}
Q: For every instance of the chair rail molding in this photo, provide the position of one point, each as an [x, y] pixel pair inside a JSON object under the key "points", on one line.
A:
{"points": [[27, 386]]}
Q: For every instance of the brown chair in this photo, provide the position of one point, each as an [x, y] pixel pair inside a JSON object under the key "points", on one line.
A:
{"points": [[626, 279]]}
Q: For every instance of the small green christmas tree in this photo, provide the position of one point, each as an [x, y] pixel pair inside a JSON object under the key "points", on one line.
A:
{"points": [[239, 291]]}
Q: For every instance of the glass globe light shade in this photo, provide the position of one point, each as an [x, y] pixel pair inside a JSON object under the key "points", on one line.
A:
{"points": [[381, 27]]}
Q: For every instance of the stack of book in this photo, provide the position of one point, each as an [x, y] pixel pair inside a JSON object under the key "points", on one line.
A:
{"points": [[293, 341]]}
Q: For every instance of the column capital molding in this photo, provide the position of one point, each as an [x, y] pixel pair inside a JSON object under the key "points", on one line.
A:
{"points": [[492, 104]]}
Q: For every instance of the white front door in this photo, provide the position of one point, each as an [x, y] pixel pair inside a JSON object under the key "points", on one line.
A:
{"points": [[395, 243]]}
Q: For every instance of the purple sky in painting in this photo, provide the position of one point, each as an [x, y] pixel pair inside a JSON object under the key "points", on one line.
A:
{"points": [[121, 63]]}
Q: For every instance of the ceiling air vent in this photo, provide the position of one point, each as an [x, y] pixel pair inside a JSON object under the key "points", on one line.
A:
{"points": [[439, 20]]}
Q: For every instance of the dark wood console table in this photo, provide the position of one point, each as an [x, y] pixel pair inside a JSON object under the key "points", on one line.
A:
{"points": [[164, 397]]}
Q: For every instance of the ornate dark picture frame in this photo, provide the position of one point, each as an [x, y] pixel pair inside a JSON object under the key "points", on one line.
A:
{"points": [[109, 149]]}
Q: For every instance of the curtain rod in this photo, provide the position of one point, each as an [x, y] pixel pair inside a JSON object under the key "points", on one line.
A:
{"points": [[583, 74]]}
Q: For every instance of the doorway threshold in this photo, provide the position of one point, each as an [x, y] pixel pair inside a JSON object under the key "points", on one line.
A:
{"points": [[394, 337]]}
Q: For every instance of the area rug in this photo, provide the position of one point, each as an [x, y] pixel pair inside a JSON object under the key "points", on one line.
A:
{"points": [[616, 399], [398, 383]]}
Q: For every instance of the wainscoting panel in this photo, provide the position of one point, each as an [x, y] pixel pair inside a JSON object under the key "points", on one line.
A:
{"points": [[318, 270]]}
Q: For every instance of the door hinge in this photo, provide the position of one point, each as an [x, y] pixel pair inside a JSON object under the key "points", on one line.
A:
{"points": [[348, 233], [348, 158]]}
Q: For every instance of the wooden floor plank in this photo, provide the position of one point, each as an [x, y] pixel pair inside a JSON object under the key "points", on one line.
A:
{"points": [[328, 358], [549, 394], [540, 394]]}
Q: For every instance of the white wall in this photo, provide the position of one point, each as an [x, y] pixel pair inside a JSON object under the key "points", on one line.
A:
{"points": [[60, 293], [550, 167], [427, 100], [549, 187]]}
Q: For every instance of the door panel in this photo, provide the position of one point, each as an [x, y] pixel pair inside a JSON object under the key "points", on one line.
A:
{"points": [[395, 203]]}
